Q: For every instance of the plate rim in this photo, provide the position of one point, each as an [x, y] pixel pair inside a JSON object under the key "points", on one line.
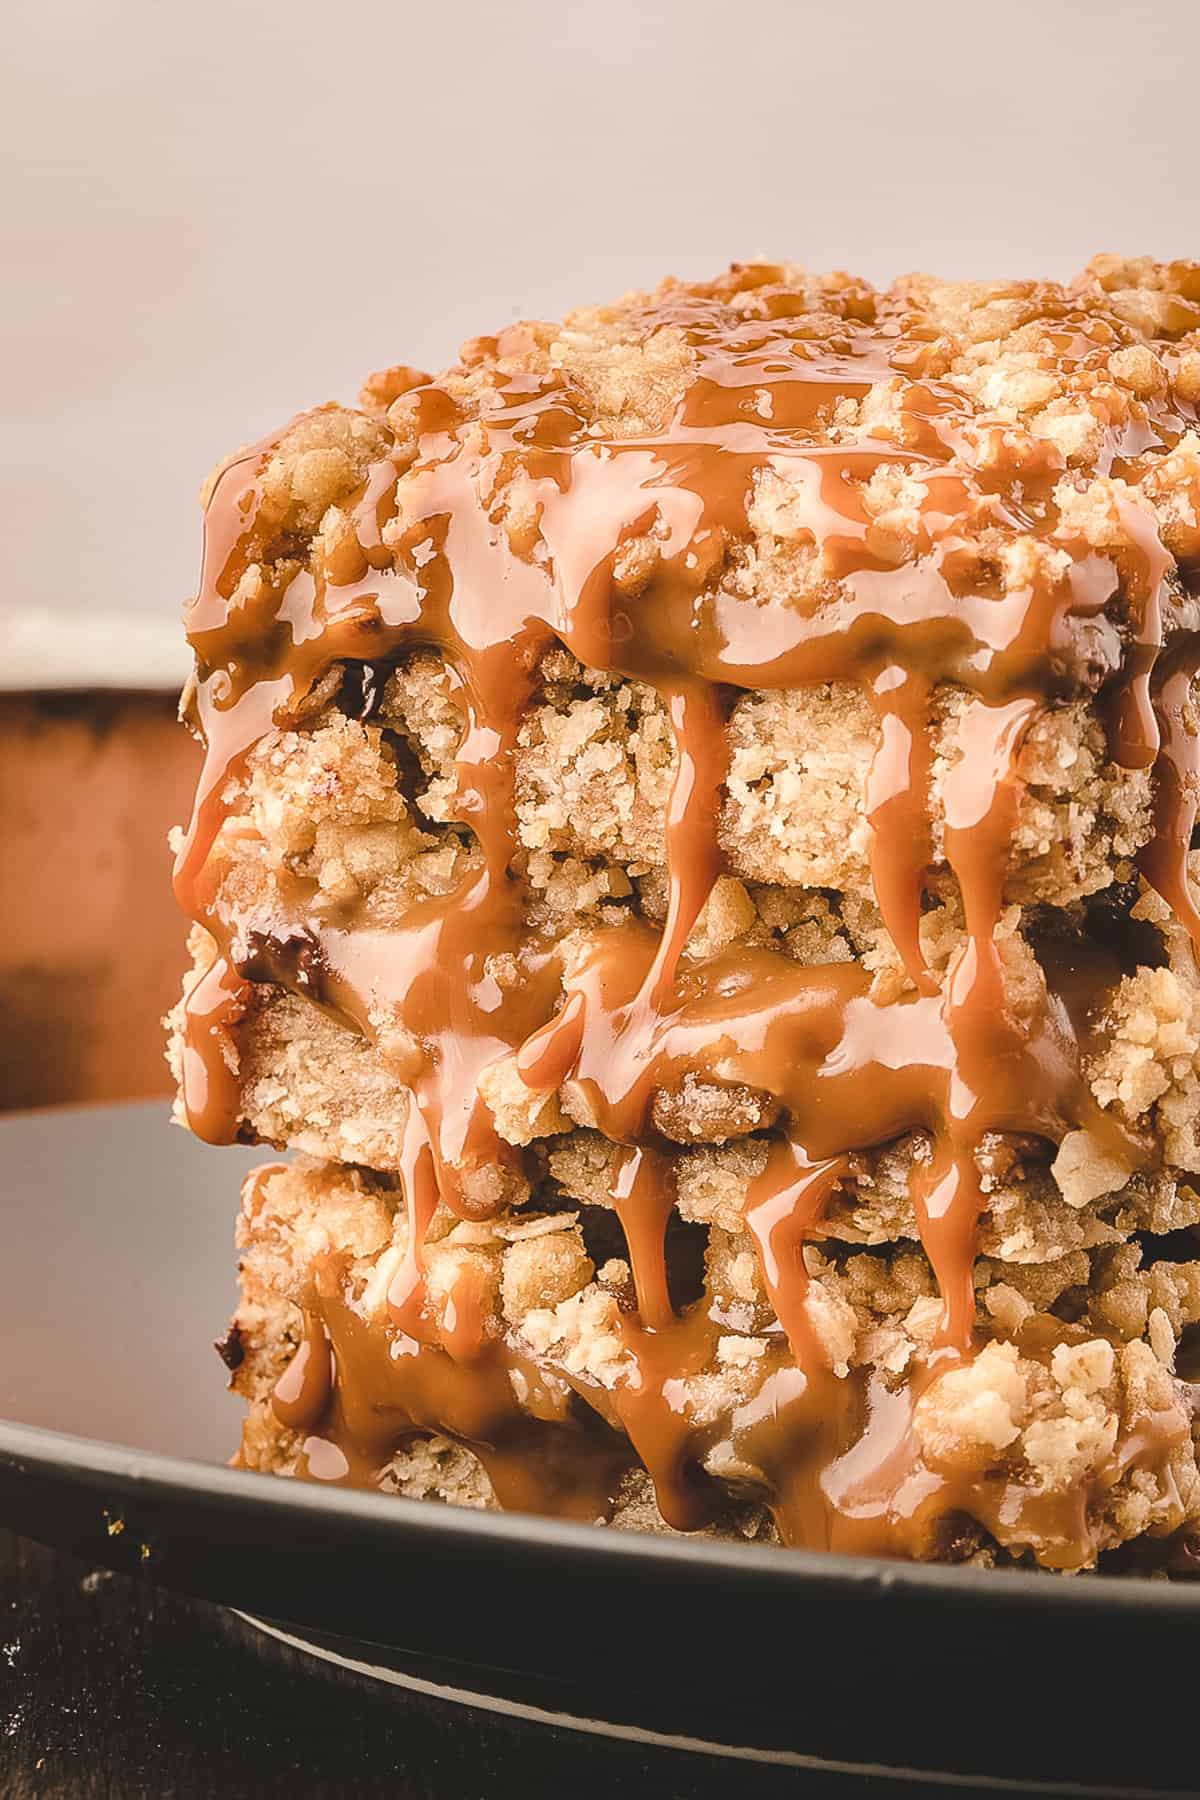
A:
{"points": [[84, 1462], [718, 1749]]}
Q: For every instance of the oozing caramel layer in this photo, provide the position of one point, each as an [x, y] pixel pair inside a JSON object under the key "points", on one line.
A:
{"points": [[494, 528]]}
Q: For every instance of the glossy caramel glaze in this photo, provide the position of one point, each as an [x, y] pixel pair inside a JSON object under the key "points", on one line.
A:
{"points": [[495, 518]]}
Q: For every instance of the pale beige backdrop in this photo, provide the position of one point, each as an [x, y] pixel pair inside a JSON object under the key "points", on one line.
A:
{"points": [[220, 212]]}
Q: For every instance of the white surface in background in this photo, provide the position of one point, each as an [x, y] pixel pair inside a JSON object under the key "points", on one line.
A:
{"points": [[222, 213], [42, 646]]}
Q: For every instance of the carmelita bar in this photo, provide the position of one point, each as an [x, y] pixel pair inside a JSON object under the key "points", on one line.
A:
{"points": [[693, 853]]}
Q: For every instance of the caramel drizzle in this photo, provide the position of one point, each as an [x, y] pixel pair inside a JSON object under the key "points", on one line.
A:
{"points": [[418, 1180], [305, 1388], [783, 1207], [539, 1457], [1164, 861], [435, 563], [898, 811], [208, 1084]]}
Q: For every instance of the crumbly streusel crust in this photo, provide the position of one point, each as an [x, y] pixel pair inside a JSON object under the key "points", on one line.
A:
{"points": [[1078, 1352]]}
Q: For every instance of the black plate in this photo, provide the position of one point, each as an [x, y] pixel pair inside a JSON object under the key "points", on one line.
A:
{"points": [[115, 1275]]}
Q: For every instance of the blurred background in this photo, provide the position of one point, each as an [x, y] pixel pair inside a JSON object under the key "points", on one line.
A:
{"points": [[218, 215]]}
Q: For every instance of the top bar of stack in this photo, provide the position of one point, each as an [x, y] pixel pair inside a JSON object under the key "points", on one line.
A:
{"points": [[727, 761]]}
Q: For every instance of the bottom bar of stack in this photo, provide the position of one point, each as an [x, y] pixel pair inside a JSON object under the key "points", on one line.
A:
{"points": [[1067, 1436]]}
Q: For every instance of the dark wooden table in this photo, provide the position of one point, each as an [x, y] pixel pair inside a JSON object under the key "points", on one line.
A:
{"points": [[113, 1689]]}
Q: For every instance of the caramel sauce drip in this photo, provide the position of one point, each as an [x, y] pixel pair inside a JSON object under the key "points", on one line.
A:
{"points": [[782, 1208], [1164, 861], [437, 561], [208, 1083], [305, 1388], [539, 1457]]}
